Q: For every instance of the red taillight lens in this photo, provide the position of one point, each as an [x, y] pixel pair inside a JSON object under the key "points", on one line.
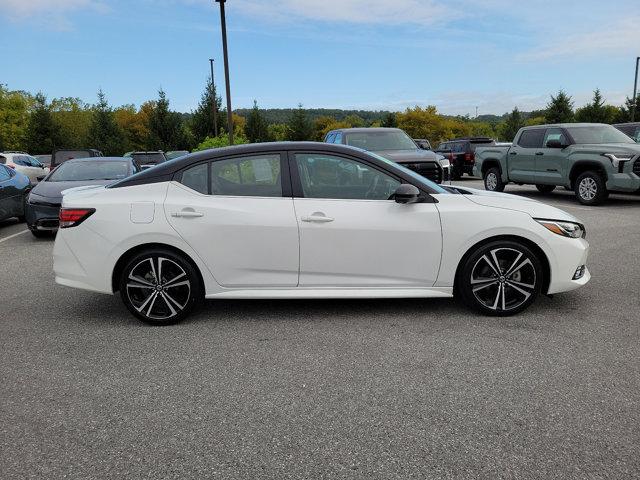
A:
{"points": [[12, 166], [469, 157], [70, 217]]}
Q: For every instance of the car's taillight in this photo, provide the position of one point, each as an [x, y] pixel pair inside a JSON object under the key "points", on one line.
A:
{"points": [[469, 157], [451, 156], [71, 217], [12, 166]]}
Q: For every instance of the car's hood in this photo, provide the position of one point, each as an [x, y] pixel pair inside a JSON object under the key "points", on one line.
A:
{"points": [[55, 190], [514, 202], [409, 156], [629, 148]]}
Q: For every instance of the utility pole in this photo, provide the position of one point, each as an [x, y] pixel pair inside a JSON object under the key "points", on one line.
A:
{"points": [[476, 112], [215, 103], [635, 95], [223, 25]]}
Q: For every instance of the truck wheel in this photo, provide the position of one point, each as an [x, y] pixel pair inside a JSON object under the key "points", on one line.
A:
{"points": [[546, 188], [590, 188], [493, 181]]}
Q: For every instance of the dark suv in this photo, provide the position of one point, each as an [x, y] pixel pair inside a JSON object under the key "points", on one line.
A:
{"points": [[395, 145], [461, 153], [146, 160]]}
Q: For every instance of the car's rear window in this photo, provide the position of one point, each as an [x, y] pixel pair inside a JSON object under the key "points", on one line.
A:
{"points": [[63, 156], [87, 170], [148, 158]]}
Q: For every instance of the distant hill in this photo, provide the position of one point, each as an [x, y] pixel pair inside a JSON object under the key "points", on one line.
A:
{"points": [[282, 115]]}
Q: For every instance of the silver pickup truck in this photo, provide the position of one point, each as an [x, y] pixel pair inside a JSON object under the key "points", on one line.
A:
{"points": [[592, 159]]}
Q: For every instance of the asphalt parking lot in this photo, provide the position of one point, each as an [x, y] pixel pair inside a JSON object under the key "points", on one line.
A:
{"points": [[325, 389]]}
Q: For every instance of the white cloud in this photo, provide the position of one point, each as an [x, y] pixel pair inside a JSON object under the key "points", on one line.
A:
{"points": [[53, 11], [353, 11]]}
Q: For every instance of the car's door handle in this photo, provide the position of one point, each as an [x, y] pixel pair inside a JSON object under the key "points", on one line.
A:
{"points": [[317, 217], [539, 153], [513, 153], [187, 213]]}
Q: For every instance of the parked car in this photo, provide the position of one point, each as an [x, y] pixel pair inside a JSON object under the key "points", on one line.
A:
{"points": [[309, 220], [176, 154], [397, 146], [461, 153], [148, 159], [25, 164], [61, 155], [423, 143], [592, 159], [44, 160], [631, 129], [43, 204], [14, 186]]}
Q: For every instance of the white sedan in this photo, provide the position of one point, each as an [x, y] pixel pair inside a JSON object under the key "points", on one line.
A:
{"points": [[309, 220]]}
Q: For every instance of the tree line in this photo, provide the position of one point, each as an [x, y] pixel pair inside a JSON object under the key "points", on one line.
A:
{"points": [[32, 123]]}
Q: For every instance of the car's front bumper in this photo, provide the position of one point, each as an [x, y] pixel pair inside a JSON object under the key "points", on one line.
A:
{"points": [[41, 216], [569, 254]]}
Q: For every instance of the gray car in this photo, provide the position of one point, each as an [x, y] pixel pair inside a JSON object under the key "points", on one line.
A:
{"points": [[395, 145]]}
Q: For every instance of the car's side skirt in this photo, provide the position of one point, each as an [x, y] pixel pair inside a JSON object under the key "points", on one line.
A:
{"points": [[365, 292]]}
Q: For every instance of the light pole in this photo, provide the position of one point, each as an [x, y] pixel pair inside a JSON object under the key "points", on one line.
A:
{"points": [[635, 89], [215, 103], [223, 25]]}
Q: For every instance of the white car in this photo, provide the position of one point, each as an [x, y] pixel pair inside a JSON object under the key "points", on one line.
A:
{"points": [[25, 164], [309, 220]]}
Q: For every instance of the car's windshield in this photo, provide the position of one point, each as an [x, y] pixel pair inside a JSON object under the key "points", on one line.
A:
{"points": [[75, 171], [428, 184], [380, 140], [598, 134]]}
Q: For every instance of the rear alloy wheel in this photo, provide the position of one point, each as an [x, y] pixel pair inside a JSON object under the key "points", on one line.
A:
{"points": [[590, 188], [493, 181], [159, 287], [546, 188], [500, 278]]}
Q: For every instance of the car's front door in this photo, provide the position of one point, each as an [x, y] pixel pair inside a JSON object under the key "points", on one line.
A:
{"points": [[551, 163], [352, 235], [521, 161], [237, 214]]}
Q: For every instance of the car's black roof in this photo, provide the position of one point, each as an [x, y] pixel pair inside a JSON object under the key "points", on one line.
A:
{"points": [[165, 171]]}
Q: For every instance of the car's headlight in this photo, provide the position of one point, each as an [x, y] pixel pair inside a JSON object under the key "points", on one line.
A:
{"points": [[566, 229], [617, 158], [444, 162]]}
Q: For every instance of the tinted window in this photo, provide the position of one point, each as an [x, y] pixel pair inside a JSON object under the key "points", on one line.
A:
{"points": [[531, 138], [90, 170], [64, 155], [196, 178], [459, 147], [21, 160], [554, 134], [330, 138], [326, 176], [598, 134], [338, 138], [380, 140], [3, 160], [255, 176], [4, 174], [148, 158], [441, 147]]}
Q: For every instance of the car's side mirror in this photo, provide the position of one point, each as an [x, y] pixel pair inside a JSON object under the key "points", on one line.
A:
{"points": [[406, 193], [555, 143]]}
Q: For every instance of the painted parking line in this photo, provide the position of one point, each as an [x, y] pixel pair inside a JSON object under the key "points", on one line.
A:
{"points": [[11, 236]]}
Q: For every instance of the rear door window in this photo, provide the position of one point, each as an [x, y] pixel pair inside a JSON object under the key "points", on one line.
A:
{"points": [[197, 178], [338, 138], [330, 138], [250, 176], [531, 138]]}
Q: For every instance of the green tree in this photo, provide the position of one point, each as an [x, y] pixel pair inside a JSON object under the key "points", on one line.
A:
{"points": [[166, 131], [390, 120], [220, 141], [278, 132], [104, 133], [300, 127], [14, 118], [624, 113], [73, 117], [596, 111], [201, 123], [511, 125], [42, 132], [256, 126], [560, 108]]}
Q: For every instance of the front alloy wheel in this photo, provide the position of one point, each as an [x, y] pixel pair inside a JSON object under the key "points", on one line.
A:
{"points": [[501, 278], [590, 188], [159, 287]]}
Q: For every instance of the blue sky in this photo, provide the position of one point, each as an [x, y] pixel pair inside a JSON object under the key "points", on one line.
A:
{"points": [[369, 54]]}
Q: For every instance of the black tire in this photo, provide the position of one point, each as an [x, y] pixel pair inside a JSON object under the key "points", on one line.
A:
{"points": [[172, 299], [590, 188], [546, 188], [42, 233], [502, 292], [493, 180]]}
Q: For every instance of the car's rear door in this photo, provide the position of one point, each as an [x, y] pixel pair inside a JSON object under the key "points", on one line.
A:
{"points": [[352, 234], [237, 214], [521, 161]]}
